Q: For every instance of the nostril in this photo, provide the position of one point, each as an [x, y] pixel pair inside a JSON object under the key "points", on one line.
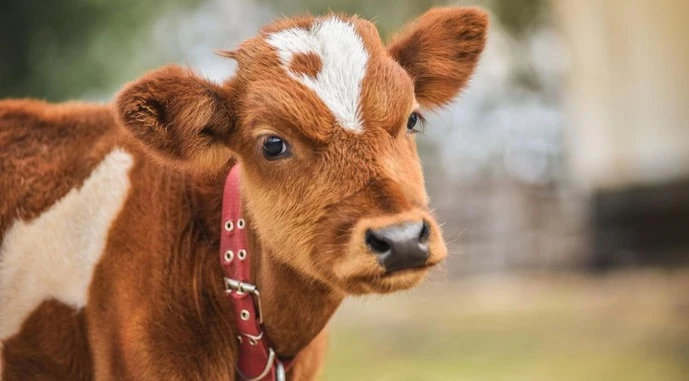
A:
{"points": [[425, 232], [375, 243]]}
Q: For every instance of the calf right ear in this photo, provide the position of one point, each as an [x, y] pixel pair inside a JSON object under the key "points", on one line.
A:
{"points": [[440, 51], [181, 118]]}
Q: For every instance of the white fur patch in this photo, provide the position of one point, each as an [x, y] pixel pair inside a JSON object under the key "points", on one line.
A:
{"points": [[343, 57], [54, 255]]}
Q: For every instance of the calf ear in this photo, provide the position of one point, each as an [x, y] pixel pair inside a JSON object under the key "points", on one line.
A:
{"points": [[440, 51], [181, 118]]}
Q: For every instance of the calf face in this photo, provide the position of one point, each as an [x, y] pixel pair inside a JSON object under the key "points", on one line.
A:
{"points": [[322, 116]]}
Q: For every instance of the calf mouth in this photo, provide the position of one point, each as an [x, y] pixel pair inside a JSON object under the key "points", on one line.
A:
{"points": [[411, 270], [391, 281], [375, 279], [389, 253]]}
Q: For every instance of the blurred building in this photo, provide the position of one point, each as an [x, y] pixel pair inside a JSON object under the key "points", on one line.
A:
{"points": [[628, 104]]}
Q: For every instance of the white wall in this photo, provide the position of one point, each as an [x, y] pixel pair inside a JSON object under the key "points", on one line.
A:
{"points": [[628, 90]]}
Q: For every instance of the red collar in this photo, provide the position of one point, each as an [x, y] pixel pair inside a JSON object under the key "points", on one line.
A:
{"points": [[257, 359]]}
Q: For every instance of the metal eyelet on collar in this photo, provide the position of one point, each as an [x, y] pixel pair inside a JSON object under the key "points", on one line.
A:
{"points": [[240, 223], [229, 226], [252, 341], [229, 256], [241, 254], [244, 315]]}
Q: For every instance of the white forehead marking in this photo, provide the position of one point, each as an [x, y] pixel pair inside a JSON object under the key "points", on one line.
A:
{"points": [[343, 57], [54, 255]]}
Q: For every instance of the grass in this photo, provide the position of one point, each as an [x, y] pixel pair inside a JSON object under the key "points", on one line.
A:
{"points": [[627, 327]]}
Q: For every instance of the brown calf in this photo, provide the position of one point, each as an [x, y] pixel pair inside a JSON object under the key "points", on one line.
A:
{"points": [[110, 215]]}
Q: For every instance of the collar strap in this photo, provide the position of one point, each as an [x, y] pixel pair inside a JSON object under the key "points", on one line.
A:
{"points": [[257, 359]]}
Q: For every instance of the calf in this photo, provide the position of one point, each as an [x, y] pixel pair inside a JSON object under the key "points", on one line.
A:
{"points": [[111, 215]]}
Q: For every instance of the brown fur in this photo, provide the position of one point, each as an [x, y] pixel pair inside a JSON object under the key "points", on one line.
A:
{"points": [[308, 64], [179, 117], [42, 155], [156, 308]]}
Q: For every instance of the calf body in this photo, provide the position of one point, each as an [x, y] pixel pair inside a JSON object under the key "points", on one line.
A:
{"points": [[110, 215]]}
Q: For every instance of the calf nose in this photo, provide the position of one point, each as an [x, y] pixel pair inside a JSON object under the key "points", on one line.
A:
{"points": [[400, 247]]}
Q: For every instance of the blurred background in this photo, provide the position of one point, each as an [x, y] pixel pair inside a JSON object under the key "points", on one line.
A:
{"points": [[561, 173]]}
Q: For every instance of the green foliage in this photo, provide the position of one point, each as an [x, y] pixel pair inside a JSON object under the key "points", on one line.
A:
{"points": [[388, 15], [58, 50], [518, 17]]}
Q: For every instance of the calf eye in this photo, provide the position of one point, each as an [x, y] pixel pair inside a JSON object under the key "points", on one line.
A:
{"points": [[412, 122], [274, 148]]}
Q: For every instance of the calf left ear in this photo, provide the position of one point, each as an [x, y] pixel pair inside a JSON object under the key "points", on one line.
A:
{"points": [[440, 51], [181, 118]]}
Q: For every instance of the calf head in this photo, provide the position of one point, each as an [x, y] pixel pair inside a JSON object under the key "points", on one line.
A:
{"points": [[323, 116]]}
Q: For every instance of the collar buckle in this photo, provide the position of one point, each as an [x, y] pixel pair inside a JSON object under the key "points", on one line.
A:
{"points": [[242, 288]]}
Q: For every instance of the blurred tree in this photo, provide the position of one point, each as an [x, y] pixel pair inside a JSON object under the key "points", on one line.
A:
{"points": [[519, 17], [58, 50], [389, 16]]}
